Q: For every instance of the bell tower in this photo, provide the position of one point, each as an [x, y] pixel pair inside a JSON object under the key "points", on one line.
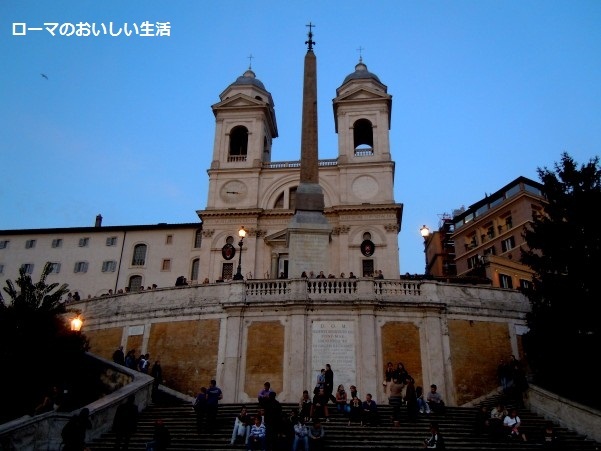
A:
{"points": [[362, 114], [245, 126]]}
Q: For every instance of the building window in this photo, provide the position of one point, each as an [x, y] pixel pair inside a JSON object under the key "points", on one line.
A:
{"points": [[55, 268], [111, 241], [472, 242], [507, 244], [1, 269], [197, 239], [57, 242], [508, 222], [238, 144], [195, 267], [227, 271], [27, 267], [491, 232], [169, 239], [81, 267], [525, 284], [29, 244], [166, 266], [473, 261], [537, 212], [4, 244], [109, 266], [367, 268], [505, 281], [139, 258], [135, 282], [490, 251], [83, 242]]}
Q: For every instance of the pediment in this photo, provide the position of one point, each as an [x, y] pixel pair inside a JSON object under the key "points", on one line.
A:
{"points": [[362, 93], [277, 238], [239, 101]]}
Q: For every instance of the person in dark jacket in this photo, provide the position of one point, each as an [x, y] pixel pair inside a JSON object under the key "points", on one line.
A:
{"points": [[161, 437], [125, 423], [74, 432]]}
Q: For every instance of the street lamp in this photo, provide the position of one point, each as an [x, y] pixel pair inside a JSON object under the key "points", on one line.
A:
{"points": [[241, 234], [76, 324], [425, 233]]}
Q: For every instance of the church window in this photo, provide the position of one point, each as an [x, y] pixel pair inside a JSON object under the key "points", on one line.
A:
{"points": [[197, 238], [227, 271], [367, 236], [135, 282], [363, 138], [166, 266], [194, 271], [229, 239], [368, 268], [238, 144], [139, 258], [289, 195], [279, 202]]}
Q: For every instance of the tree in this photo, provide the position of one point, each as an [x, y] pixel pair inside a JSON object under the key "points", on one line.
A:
{"points": [[37, 348], [565, 253]]}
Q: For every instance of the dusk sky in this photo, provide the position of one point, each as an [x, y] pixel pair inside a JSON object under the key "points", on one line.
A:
{"points": [[483, 92]]}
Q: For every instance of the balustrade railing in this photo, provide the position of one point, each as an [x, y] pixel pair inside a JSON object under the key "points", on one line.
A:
{"points": [[329, 289]]}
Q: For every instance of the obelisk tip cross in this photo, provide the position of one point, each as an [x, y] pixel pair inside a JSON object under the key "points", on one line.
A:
{"points": [[310, 42]]}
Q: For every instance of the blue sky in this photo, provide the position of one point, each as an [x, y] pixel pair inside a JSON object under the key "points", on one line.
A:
{"points": [[483, 92]]}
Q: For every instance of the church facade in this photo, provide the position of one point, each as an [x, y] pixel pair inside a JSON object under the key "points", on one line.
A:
{"points": [[248, 189]]}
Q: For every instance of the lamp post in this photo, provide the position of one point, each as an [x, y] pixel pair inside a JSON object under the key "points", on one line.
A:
{"points": [[76, 324], [241, 234], [425, 233]]}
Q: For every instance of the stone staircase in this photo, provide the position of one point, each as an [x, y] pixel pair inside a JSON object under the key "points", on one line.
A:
{"points": [[457, 425]]}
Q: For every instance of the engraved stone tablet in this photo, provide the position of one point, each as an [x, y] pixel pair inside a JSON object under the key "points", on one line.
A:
{"points": [[333, 342]]}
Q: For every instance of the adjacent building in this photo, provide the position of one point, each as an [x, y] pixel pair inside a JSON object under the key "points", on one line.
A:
{"points": [[488, 236]]}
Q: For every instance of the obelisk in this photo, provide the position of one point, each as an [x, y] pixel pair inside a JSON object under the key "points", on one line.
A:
{"points": [[309, 230]]}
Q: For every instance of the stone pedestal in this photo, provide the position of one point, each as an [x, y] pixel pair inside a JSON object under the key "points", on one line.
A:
{"points": [[308, 243]]}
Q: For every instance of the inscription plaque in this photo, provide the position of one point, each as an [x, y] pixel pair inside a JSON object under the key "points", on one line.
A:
{"points": [[333, 342]]}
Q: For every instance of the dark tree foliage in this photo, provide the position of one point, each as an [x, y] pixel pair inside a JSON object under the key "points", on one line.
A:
{"points": [[565, 244], [37, 348]]}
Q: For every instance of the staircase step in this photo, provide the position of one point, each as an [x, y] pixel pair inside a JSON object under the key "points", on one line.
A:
{"points": [[457, 425]]}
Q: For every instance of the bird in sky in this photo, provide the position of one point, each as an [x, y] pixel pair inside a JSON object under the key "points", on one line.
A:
{"points": [[45, 76]]}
